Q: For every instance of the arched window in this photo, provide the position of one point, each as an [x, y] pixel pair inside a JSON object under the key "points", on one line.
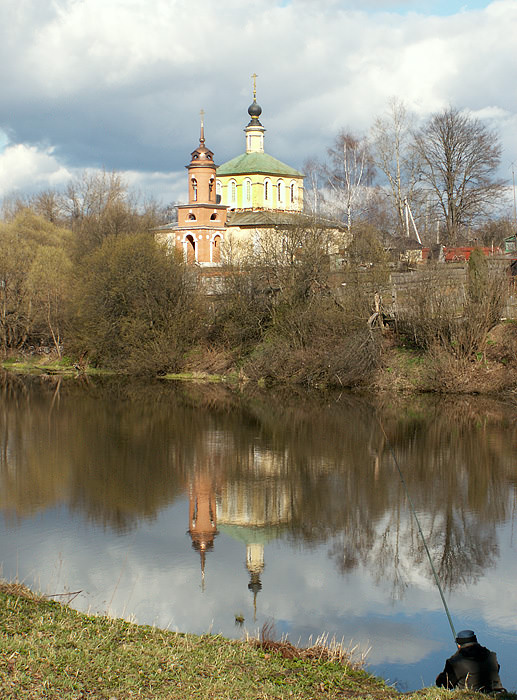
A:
{"points": [[213, 216], [216, 249], [218, 191], [280, 192], [233, 192], [210, 187], [190, 249], [247, 191], [194, 189], [267, 190], [292, 193], [191, 217]]}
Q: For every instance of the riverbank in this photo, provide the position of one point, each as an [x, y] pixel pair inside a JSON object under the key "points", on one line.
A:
{"points": [[401, 369], [50, 651]]}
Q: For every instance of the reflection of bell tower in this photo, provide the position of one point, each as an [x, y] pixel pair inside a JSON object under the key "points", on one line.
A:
{"points": [[255, 565], [202, 518]]}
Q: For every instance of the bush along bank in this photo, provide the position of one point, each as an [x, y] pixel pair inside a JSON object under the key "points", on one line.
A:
{"points": [[280, 312], [50, 651], [387, 367]]}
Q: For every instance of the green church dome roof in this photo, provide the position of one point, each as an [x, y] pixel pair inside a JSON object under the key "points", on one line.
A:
{"points": [[251, 534], [249, 163]]}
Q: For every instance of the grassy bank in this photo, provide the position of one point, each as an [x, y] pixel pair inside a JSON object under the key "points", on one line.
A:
{"points": [[397, 367], [50, 651], [43, 364]]}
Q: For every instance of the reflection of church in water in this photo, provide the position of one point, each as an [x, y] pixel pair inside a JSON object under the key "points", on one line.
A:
{"points": [[254, 508]]}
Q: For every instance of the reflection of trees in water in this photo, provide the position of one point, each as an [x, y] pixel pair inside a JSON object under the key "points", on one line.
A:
{"points": [[463, 547], [119, 451], [457, 460], [458, 463], [107, 457]]}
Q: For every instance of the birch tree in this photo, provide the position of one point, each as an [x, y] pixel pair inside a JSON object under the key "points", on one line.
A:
{"points": [[348, 174], [48, 283], [395, 157]]}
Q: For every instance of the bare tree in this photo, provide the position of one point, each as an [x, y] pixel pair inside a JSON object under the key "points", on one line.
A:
{"points": [[348, 175], [12, 205], [394, 156], [313, 185], [92, 194], [459, 157], [49, 204], [101, 204]]}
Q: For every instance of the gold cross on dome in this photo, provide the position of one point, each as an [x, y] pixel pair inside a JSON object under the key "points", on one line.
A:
{"points": [[202, 129], [254, 76]]}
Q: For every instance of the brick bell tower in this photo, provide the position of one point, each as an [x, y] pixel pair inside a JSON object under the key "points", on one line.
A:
{"points": [[201, 222]]}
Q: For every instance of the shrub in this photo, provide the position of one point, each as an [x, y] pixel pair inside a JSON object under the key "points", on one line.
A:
{"points": [[135, 306]]}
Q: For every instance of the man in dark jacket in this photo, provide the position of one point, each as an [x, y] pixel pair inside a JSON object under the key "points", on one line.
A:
{"points": [[472, 666]]}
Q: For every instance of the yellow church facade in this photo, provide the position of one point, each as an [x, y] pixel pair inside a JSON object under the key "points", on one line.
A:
{"points": [[260, 190]]}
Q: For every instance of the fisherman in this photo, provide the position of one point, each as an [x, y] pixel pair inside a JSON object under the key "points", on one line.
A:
{"points": [[472, 666]]}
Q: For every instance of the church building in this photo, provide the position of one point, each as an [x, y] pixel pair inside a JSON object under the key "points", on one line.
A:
{"points": [[249, 193]]}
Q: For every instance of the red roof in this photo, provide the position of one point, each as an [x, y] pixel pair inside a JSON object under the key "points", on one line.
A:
{"points": [[460, 253]]}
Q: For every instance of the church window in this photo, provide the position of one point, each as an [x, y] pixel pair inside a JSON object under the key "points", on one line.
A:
{"points": [[233, 192], [280, 191], [194, 189], [247, 190], [292, 191], [267, 184], [218, 191], [191, 217], [210, 187], [213, 217]]}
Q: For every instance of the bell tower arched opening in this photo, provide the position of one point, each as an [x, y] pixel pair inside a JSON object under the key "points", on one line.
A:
{"points": [[190, 248]]}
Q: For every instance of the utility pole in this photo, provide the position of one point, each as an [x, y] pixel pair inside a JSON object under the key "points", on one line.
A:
{"points": [[409, 215]]}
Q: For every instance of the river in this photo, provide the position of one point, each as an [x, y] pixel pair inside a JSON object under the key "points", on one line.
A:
{"points": [[193, 506]]}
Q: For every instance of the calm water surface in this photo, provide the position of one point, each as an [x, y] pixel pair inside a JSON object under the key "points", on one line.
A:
{"points": [[186, 506]]}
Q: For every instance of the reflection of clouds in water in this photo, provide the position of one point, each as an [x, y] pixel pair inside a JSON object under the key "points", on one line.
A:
{"points": [[495, 594], [153, 575]]}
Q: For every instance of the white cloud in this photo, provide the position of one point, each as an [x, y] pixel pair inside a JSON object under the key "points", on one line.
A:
{"points": [[26, 167], [119, 83], [30, 169]]}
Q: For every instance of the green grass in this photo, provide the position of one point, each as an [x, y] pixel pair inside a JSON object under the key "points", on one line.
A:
{"points": [[194, 377], [47, 365], [64, 367], [47, 650]]}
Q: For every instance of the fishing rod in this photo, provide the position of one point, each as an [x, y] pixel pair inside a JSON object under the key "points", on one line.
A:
{"points": [[419, 529]]}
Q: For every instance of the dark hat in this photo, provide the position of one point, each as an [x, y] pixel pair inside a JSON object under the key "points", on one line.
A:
{"points": [[465, 636]]}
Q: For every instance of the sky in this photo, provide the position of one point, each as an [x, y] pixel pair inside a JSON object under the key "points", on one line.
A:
{"points": [[119, 84]]}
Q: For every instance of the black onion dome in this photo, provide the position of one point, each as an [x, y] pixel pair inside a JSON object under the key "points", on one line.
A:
{"points": [[254, 110]]}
